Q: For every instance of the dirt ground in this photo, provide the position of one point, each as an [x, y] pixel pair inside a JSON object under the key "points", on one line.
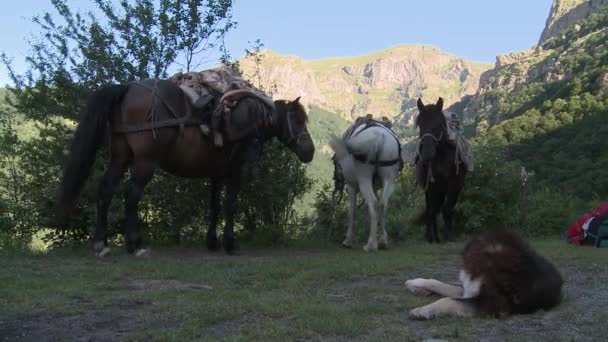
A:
{"points": [[329, 295]]}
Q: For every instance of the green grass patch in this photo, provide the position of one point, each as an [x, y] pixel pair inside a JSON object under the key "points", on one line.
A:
{"points": [[281, 294]]}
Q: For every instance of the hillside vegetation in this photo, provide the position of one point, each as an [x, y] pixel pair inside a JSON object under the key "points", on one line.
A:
{"points": [[549, 108]]}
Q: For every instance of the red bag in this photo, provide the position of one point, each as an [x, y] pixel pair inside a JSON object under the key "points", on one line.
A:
{"points": [[575, 232]]}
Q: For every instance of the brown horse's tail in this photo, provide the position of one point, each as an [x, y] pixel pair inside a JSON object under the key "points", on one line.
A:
{"points": [[88, 138]]}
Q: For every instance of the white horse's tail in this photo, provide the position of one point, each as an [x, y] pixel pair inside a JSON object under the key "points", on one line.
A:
{"points": [[339, 147]]}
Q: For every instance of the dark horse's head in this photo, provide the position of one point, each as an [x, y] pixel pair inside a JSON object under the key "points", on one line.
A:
{"points": [[433, 129], [292, 130]]}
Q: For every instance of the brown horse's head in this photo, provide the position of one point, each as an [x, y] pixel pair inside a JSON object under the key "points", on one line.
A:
{"points": [[292, 130], [433, 128]]}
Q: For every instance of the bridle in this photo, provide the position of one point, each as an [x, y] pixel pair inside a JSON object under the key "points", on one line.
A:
{"points": [[432, 136], [292, 137], [429, 174]]}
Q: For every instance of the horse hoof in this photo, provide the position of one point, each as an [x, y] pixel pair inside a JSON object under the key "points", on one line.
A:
{"points": [[347, 244], [100, 249], [103, 252], [234, 252], [213, 244], [231, 247], [140, 253], [383, 245], [369, 248]]}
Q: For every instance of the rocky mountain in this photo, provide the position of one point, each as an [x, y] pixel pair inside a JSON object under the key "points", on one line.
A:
{"points": [[385, 83], [566, 13], [551, 61]]}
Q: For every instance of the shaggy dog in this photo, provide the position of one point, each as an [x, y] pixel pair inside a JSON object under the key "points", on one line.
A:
{"points": [[501, 275]]}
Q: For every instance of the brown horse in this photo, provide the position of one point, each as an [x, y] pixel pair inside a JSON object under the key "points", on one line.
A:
{"points": [[152, 125]]}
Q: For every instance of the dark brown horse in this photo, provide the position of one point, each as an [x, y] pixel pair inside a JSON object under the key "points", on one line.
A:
{"points": [[151, 125], [438, 170]]}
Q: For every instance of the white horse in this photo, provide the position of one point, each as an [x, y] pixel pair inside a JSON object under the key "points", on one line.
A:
{"points": [[370, 153]]}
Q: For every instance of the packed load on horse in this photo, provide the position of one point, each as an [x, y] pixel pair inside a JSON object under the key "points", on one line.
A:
{"points": [[367, 120], [367, 157], [221, 88]]}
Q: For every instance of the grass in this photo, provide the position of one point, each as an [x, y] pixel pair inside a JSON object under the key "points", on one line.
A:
{"points": [[279, 294]]}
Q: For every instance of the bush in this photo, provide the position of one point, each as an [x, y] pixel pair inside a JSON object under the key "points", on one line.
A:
{"points": [[550, 212], [493, 191], [270, 191]]}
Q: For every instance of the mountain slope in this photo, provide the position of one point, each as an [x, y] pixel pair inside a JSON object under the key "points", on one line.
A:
{"points": [[385, 83], [549, 107]]}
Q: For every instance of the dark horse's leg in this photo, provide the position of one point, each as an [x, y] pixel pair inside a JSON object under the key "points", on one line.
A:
{"points": [[141, 174], [430, 219], [105, 192], [232, 190], [454, 189], [215, 188], [447, 210], [434, 197]]}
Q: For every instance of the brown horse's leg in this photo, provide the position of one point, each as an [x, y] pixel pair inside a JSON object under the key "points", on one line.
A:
{"points": [[104, 199], [141, 174], [232, 190], [215, 188], [105, 192]]}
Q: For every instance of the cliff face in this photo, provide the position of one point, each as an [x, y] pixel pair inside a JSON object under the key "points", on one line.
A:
{"points": [[385, 83], [566, 13]]}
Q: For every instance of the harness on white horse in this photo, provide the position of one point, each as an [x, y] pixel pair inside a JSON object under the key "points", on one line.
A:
{"points": [[379, 163]]}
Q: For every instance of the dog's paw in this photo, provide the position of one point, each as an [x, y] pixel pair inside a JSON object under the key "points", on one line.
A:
{"points": [[416, 286], [421, 313]]}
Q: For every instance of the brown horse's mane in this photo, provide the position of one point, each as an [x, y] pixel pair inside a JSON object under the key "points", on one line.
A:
{"points": [[300, 110]]}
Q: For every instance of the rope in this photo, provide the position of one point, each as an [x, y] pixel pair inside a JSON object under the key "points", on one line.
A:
{"points": [[151, 113]]}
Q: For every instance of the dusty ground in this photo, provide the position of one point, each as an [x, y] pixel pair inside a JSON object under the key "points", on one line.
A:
{"points": [[281, 294]]}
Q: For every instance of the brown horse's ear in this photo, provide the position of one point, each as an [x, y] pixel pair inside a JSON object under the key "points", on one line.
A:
{"points": [[439, 104], [420, 104], [296, 101]]}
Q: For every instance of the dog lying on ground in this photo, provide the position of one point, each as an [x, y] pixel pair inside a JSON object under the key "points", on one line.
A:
{"points": [[501, 276]]}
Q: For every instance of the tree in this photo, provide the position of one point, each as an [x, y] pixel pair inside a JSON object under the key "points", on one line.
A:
{"points": [[75, 54]]}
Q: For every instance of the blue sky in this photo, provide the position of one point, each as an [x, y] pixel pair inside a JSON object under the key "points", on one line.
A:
{"points": [[475, 29]]}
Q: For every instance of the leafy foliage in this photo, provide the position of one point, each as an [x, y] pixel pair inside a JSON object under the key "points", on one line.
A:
{"points": [[270, 194], [76, 54]]}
